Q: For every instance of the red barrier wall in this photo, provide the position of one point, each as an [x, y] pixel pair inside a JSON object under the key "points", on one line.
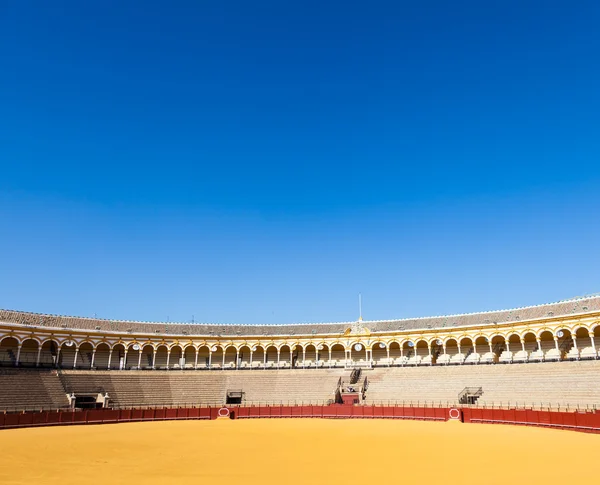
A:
{"points": [[581, 421]]}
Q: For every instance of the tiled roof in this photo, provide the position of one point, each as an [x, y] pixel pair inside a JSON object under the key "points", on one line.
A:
{"points": [[577, 305]]}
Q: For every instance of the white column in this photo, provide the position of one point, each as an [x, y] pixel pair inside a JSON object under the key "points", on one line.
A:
{"points": [[303, 357], [109, 357], [507, 345], [125, 359], [349, 356], [429, 348], [154, 359], [209, 358], [58, 356], [278, 358], [224, 352], [387, 349], [140, 358], [593, 344], [75, 359], [196, 362], [474, 347], [251, 358], [237, 357], [491, 349], [18, 361], [93, 359], [574, 341], [330, 357], [556, 343], [37, 361], [523, 345], [458, 345], [168, 357], [264, 358], [291, 358]]}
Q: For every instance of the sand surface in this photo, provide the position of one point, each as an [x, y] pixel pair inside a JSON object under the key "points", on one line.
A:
{"points": [[283, 451]]}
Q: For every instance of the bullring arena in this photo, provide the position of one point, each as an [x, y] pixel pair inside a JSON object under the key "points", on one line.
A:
{"points": [[490, 397]]}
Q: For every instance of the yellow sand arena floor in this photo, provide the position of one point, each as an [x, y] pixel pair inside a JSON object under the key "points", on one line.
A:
{"points": [[269, 451]]}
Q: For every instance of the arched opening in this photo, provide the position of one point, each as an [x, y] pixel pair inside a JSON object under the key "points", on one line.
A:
{"points": [[9, 348], [230, 356], [530, 344], [117, 358], [310, 356], [285, 356], [467, 350], [160, 358], [296, 355], [422, 352], [408, 352], [203, 357], [498, 346], [395, 353], [133, 356], [511, 347], [101, 359], [271, 356], [584, 343], [565, 344], [216, 357], [453, 355], [29, 353], [189, 355], [147, 359], [67, 354], [85, 356], [49, 354], [258, 357], [322, 355], [481, 347], [379, 354], [358, 355], [176, 360], [244, 357], [338, 355], [547, 346]]}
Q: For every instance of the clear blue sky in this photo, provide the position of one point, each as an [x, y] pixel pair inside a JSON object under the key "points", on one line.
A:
{"points": [[263, 162]]}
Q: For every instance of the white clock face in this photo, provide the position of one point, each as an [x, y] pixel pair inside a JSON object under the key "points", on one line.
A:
{"points": [[560, 334], [381, 345], [358, 347]]}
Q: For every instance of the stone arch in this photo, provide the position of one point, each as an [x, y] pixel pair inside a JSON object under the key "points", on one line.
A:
{"points": [[408, 349], [230, 357], [101, 359], [29, 352], [358, 356], [285, 355], [546, 341], [189, 356], [309, 355], [117, 358], [176, 359], [85, 355], [49, 355], [422, 349], [271, 353], [395, 352], [132, 358], [338, 355], [379, 352], [203, 356], [243, 356]]}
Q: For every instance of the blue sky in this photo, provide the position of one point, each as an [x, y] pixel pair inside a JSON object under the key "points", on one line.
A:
{"points": [[265, 162]]}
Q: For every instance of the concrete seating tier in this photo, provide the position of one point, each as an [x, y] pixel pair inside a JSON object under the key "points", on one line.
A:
{"points": [[556, 383], [165, 388], [31, 390]]}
